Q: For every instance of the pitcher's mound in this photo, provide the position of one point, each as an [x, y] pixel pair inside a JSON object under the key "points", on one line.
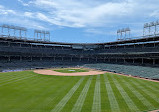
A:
{"points": [[52, 72]]}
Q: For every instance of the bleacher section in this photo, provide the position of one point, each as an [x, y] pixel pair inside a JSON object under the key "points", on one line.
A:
{"points": [[141, 71]]}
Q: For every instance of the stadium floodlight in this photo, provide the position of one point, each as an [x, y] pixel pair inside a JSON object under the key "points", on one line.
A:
{"points": [[43, 32], [118, 31], [127, 29], [152, 24], [12, 27], [118, 34], [37, 31], [47, 32], [146, 25], [123, 30], [16, 27], [5, 26], [157, 22], [23, 29]]}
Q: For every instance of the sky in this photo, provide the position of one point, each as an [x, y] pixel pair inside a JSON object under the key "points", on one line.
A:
{"points": [[79, 21]]}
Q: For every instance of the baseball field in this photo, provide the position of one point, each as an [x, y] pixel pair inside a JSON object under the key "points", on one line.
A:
{"points": [[27, 91]]}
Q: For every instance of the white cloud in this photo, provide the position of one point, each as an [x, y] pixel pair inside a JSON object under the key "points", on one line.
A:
{"points": [[75, 13], [97, 13], [25, 4], [4, 11], [87, 14], [29, 14], [9, 16], [155, 13]]}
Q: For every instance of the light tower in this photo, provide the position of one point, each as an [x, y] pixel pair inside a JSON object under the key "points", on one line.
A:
{"points": [[47, 36], [146, 29], [41, 35], [156, 27], [123, 34], [127, 33], [37, 35], [152, 28], [118, 35]]}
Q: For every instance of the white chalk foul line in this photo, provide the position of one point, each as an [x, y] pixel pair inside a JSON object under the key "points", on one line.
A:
{"points": [[96, 107], [66, 98], [112, 100], [80, 101]]}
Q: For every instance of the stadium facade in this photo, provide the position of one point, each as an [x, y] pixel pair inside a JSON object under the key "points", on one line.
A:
{"points": [[141, 51]]}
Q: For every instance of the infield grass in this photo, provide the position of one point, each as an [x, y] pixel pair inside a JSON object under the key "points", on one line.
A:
{"points": [[71, 70], [29, 92]]}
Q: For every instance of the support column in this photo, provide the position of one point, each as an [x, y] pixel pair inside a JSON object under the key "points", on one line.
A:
{"points": [[9, 58], [20, 58], [133, 61], [8, 44], [80, 59], [142, 61], [96, 59], [104, 59], [154, 61], [124, 60]]}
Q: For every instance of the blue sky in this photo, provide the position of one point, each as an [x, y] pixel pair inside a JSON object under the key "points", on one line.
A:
{"points": [[79, 20]]}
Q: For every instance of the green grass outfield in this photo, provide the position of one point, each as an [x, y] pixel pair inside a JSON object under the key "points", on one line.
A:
{"points": [[29, 92], [71, 70]]}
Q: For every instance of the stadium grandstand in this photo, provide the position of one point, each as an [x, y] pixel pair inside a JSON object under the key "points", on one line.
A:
{"points": [[17, 51]]}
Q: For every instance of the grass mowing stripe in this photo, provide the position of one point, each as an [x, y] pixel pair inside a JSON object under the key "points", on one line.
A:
{"points": [[24, 99], [140, 97], [49, 89], [49, 100], [96, 107], [13, 78], [16, 80], [62, 103], [140, 89], [153, 89], [113, 102], [17, 94], [5, 77], [125, 96], [146, 91], [105, 104], [80, 101], [87, 106]]}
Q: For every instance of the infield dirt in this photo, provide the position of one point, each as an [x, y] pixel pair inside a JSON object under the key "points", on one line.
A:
{"points": [[51, 72]]}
